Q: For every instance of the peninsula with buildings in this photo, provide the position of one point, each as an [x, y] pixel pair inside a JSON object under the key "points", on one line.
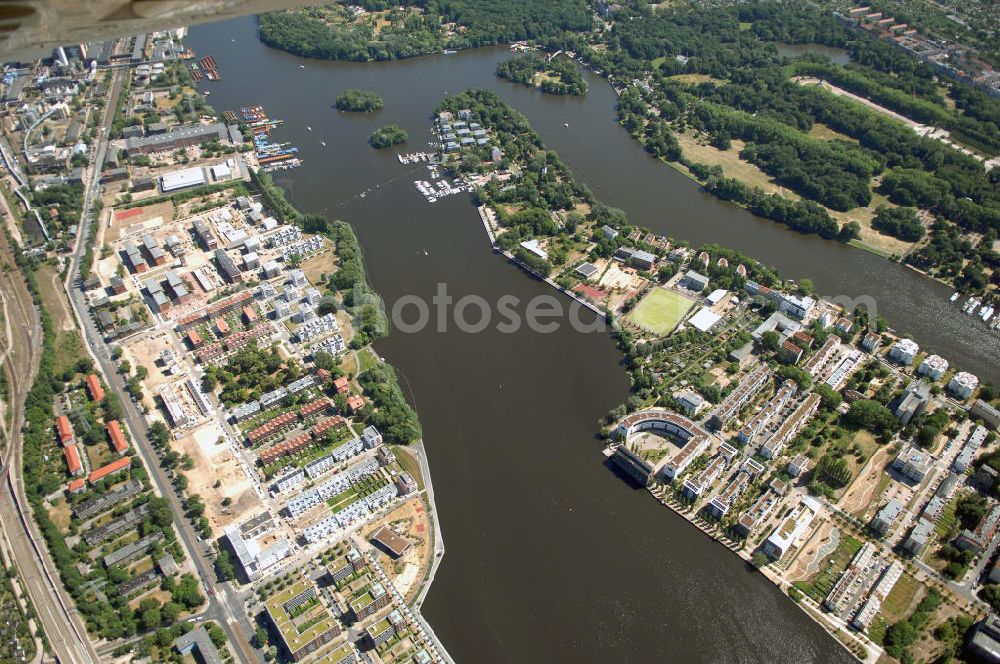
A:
{"points": [[855, 471], [218, 461]]}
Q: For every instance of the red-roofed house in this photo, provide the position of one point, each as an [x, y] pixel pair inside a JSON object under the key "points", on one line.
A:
{"points": [[324, 375], [110, 469], [194, 338], [789, 352], [73, 460], [222, 326], [76, 486], [249, 314], [94, 387], [341, 384], [117, 437], [64, 430], [355, 403]]}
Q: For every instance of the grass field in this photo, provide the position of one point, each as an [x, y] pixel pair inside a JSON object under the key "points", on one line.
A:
{"points": [[660, 311], [409, 464], [68, 342], [900, 600], [832, 567], [735, 167], [825, 133], [367, 359], [695, 79]]}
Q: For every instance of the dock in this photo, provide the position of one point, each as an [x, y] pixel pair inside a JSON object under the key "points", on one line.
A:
{"points": [[270, 156]]}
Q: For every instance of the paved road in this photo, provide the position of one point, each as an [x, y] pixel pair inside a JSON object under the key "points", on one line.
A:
{"points": [[225, 605]]}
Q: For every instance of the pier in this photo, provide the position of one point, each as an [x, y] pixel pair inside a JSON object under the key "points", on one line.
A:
{"points": [[270, 156]]}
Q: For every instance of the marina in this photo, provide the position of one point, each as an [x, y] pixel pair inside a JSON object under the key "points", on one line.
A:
{"points": [[206, 68], [440, 187], [271, 156], [414, 157], [980, 308]]}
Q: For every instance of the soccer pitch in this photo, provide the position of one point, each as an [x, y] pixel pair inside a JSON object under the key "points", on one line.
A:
{"points": [[660, 311]]}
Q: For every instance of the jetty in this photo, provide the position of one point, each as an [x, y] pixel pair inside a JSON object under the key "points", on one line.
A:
{"points": [[270, 156]]}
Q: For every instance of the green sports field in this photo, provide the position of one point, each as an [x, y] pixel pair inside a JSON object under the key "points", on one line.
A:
{"points": [[660, 311]]}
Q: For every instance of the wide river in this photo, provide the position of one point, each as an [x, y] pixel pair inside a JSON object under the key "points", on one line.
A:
{"points": [[550, 557]]}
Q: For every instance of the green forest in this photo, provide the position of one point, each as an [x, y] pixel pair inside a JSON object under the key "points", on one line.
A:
{"points": [[744, 90], [329, 32], [359, 101], [387, 136], [715, 74], [560, 76]]}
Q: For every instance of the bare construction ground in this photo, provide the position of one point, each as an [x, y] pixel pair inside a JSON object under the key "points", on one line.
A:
{"points": [[144, 351], [807, 563], [410, 521], [616, 278], [216, 476], [130, 221], [319, 264], [862, 493]]}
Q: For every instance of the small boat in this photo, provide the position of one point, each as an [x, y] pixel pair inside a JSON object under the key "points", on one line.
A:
{"points": [[309, 128], [566, 124], [323, 143], [955, 296], [302, 66]]}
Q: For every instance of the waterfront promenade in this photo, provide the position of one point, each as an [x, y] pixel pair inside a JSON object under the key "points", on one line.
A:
{"points": [[488, 217]]}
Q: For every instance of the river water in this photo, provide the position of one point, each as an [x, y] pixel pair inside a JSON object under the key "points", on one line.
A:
{"points": [[550, 557]]}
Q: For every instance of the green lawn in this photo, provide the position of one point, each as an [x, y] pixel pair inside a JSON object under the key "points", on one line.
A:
{"points": [[367, 359], [948, 518], [409, 464], [896, 605], [820, 583], [660, 311], [343, 499]]}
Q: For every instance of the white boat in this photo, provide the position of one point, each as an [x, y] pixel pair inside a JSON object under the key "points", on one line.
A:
{"points": [[309, 128], [323, 143], [973, 306], [566, 124], [987, 313], [955, 296], [302, 66]]}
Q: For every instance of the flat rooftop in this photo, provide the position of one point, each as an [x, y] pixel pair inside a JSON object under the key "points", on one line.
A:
{"points": [[316, 619]]}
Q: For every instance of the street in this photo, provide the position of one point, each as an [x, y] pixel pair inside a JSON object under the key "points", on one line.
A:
{"points": [[224, 606]]}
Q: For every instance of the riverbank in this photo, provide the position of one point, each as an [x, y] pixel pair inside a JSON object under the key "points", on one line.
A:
{"points": [[494, 487], [835, 627], [488, 217], [547, 244]]}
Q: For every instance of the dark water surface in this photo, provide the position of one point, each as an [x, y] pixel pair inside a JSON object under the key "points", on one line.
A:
{"points": [[550, 557]]}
